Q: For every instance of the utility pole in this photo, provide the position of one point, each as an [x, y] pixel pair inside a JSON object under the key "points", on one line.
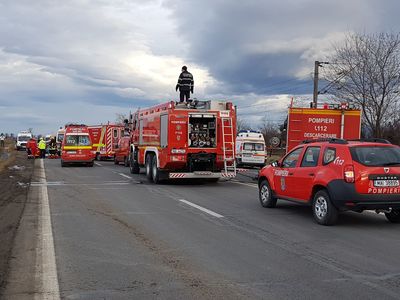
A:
{"points": [[317, 64]]}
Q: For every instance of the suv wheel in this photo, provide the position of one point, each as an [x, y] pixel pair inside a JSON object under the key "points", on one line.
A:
{"points": [[393, 216], [265, 195], [149, 171], [323, 210]]}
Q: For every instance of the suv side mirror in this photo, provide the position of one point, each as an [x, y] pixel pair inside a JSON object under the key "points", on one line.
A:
{"points": [[275, 163]]}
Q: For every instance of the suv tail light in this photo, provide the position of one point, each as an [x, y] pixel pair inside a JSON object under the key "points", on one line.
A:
{"points": [[349, 173]]}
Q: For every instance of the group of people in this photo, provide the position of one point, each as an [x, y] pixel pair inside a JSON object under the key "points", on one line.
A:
{"points": [[35, 149]]}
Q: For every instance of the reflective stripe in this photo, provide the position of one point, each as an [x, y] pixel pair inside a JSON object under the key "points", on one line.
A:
{"points": [[98, 145], [77, 147]]}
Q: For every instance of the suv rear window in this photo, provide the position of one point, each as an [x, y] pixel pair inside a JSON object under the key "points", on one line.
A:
{"points": [[376, 156]]}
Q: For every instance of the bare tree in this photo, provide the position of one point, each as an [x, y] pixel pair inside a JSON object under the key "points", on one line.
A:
{"points": [[269, 130], [119, 118], [241, 124], [365, 71]]}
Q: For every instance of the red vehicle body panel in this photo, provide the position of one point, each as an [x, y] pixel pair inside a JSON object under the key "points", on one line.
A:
{"points": [[313, 123], [105, 138], [164, 130], [122, 152]]}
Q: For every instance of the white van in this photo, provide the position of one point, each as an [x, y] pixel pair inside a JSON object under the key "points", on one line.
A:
{"points": [[250, 148], [22, 138]]}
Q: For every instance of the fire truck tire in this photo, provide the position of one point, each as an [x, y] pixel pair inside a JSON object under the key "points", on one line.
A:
{"points": [[133, 165], [148, 165], [126, 162], [116, 162], [325, 213], [266, 196], [155, 171]]}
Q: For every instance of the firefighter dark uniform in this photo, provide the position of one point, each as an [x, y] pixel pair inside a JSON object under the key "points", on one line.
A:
{"points": [[185, 84]]}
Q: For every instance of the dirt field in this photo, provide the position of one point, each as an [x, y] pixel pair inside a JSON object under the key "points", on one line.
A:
{"points": [[15, 175]]}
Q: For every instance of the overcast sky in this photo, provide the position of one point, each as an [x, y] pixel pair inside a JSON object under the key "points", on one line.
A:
{"points": [[85, 61]]}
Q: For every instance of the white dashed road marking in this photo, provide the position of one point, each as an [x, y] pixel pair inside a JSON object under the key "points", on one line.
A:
{"points": [[210, 212]]}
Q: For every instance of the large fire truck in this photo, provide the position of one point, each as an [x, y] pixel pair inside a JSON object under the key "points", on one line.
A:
{"points": [[328, 121], [104, 139], [179, 140]]}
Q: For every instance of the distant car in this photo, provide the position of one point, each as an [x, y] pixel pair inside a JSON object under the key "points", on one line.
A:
{"points": [[336, 175], [122, 151]]}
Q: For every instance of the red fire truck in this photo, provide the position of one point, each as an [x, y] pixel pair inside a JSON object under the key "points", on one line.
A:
{"points": [[105, 138], [178, 140], [329, 121]]}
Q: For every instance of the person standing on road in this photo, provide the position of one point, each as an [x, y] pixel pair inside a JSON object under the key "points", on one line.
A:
{"points": [[185, 84], [42, 148], [2, 139]]}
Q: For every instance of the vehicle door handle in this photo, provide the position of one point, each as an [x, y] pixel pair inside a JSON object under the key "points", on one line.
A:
{"points": [[311, 174]]}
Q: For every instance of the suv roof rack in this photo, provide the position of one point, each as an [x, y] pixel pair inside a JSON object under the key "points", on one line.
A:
{"points": [[371, 140], [328, 140]]}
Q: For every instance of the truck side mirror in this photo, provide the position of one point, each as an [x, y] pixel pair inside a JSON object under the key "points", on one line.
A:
{"points": [[275, 163]]}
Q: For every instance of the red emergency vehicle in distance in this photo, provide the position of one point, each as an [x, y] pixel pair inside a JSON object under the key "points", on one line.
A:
{"points": [[122, 151], [178, 140], [330, 121], [104, 139], [77, 146]]}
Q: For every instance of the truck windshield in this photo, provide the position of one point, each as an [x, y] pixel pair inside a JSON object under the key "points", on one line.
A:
{"points": [[376, 156], [60, 138], [23, 138], [253, 146], [77, 140]]}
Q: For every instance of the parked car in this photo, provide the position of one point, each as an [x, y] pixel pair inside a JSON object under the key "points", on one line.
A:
{"points": [[336, 175], [122, 151]]}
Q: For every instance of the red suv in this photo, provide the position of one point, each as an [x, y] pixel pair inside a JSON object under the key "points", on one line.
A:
{"points": [[122, 151], [336, 175]]}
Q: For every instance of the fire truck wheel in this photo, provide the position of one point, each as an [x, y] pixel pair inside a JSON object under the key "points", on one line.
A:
{"points": [[133, 165], [325, 213], [155, 171], [116, 162], [265, 195], [149, 171], [126, 162]]}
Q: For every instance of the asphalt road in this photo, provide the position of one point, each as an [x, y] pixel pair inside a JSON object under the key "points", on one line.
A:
{"points": [[118, 237]]}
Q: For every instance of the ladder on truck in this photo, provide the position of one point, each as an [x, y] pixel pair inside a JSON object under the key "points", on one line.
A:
{"points": [[228, 141]]}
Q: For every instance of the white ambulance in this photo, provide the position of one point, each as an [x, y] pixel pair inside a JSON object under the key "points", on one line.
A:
{"points": [[250, 148]]}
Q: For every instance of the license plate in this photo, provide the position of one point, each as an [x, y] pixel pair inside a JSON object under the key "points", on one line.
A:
{"points": [[71, 152], [386, 183]]}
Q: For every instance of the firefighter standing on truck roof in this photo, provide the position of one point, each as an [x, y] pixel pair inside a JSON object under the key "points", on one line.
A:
{"points": [[42, 148], [185, 84]]}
